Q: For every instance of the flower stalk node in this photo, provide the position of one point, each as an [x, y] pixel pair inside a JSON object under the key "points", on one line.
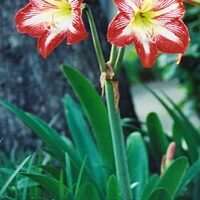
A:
{"points": [[109, 75]]}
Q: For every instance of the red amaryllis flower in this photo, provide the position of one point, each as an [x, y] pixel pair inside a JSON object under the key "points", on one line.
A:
{"points": [[151, 25], [51, 21]]}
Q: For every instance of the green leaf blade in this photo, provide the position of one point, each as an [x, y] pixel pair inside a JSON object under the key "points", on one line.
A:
{"points": [[96, 113], [50, 184], [156, 134], [113, 190], [171, 180], [12, 176], [138, 165], [83, 140], [160, 194]]}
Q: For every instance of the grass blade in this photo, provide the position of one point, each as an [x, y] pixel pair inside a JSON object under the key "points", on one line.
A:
{"points": [[12, 176], [50, 184], [24, 192], [80, 177]]}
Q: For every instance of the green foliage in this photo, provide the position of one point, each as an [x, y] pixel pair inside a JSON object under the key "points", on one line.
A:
{"points": [[79, 170], [137, 163], [12, 176], [96, 113], [183, 129], [159, 194], [157, 134], [51, 185], [48, 135], [150, 187], [191, 173], [82, 138], [87, 192], [172, 178], [113, 190]]}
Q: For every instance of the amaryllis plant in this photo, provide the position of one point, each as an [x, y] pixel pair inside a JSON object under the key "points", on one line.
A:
{"points": [[51, 22], [152, 27]]}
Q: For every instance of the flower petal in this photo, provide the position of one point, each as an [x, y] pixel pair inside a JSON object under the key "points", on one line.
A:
{"points": [[32, 21], [147, 53], [168, 9], [42, 3], [49, 41], [76, 31], [75, 3], [126, 5], [119, 32], [173, 37]]}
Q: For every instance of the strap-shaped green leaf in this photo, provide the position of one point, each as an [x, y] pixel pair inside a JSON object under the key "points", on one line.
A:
{"points": [[189, 134], [137, 163], [88, 192], [113, 190], [12, 176], [83, 140], [156, 134], [172, 178], [150, 186], [96, 113], [48, 135], [160, 194], [51, 185], [191, 173]]}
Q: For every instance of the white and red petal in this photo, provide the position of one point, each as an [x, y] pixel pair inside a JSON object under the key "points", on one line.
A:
{"points": [[168, 9], [32, 21], [119, 32], [75, 4], [125, 5], [49, 41], [42, 4], [76, 31], [51, 21], [54, 36], [147, 52], [173, 37]]}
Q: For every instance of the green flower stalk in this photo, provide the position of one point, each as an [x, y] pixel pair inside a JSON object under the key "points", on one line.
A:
{"points": [[111, 90]]}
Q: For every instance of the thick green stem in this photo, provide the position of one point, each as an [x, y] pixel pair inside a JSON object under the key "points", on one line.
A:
{"points": [[118, 143], [95, 38]]}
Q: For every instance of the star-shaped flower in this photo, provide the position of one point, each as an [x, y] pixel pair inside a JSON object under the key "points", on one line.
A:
{"points": [[152, 26], [51, 21]]}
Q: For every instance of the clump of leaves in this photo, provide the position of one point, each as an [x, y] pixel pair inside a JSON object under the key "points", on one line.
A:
{"points": [[83, 168]]}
